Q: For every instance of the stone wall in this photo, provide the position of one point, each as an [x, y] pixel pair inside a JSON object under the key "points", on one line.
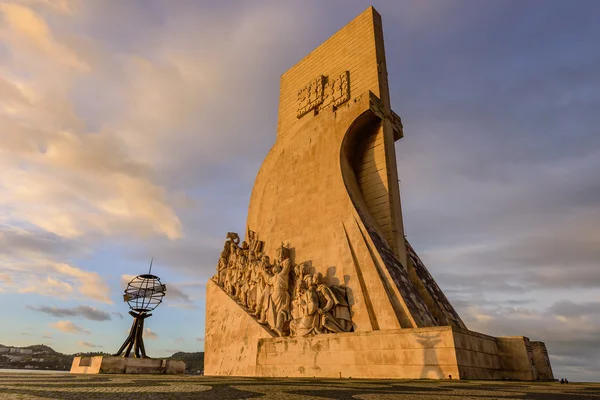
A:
{"points": [[401, 353], [477, 355], [542, 361], [231, 336], [517, 358]]}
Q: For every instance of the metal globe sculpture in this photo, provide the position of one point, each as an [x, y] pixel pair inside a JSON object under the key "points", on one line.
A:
{"points": [[143, 294]]}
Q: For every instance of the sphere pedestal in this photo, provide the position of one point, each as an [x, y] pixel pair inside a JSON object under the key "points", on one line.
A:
{"points": [[121, 365]]}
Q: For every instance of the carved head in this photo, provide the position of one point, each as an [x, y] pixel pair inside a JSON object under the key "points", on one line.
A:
{"points": [[276, 269], [302, 287], [316, 278], [308, 280]]}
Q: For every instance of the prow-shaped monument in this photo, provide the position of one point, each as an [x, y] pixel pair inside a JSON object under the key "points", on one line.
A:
{"points": [[325, 283]]}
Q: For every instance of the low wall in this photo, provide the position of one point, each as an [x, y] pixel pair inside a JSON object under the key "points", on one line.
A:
{"points": [[477, 355], [431, 353], [434, 353], [122, 365]]}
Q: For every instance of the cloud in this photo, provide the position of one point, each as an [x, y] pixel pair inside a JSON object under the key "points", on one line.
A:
{"points": [[178, 298], [54, 279], [62, 6], [33, 261], [569, 330], [31, 243], [89, 345], [117, 314], [28, 31], [149, 334], [89, 180], [49, 287], [567, 308], [200, 339], [87, 312], [68, 327], [179, 340], [126, 278]]}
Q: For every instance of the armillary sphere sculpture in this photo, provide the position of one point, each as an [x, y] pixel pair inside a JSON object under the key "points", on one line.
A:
{"points": [[143, 294]]}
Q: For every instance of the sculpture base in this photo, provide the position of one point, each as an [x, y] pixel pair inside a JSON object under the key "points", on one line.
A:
{"points": [[422, 353], [121, 365], [236, 345]]}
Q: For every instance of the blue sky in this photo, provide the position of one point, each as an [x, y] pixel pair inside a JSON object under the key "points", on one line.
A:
{"points": [[134, 129]]}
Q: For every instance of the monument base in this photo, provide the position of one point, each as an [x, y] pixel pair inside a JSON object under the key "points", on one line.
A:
{"points": [[422, 353], [237, 345], [122, 365]]}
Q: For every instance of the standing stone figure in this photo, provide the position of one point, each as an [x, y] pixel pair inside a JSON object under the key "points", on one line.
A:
{"points": [[222, 269], [279, 300], [262, 290], [306, 306]]}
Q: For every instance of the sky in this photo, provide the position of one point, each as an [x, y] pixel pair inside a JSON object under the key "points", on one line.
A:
{"points": [[131, 130]]}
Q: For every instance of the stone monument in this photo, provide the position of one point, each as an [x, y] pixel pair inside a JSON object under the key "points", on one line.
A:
{"points": [[325, 283], [143, 294]]}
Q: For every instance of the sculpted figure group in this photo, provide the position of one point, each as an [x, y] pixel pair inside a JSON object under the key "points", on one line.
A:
{"points": [[291, 301]]}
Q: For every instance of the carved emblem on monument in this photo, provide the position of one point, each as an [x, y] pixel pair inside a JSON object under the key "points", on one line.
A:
{"points": [[290, 300], [323, 92]]}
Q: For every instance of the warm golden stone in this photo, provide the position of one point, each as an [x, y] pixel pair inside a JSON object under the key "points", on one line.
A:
{"points": [[329, 188]]}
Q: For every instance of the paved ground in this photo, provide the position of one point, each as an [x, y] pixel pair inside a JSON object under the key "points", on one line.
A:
{"points": [[142, 387]]}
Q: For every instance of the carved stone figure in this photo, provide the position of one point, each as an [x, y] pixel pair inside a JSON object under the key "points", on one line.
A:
{"points": [[279, 300], [235, 238], [307, 306], [241, 262], [254, 266], [263, 290], [334, 309], [246, 280], [222, 269]]}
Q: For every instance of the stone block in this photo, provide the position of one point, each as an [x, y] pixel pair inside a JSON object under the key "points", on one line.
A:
{"points": [[122, 365]]}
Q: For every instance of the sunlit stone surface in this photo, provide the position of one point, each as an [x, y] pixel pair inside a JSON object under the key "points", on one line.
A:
{"points": [[324, 283]]}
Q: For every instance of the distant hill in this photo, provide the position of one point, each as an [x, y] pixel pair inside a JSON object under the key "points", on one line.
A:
{"points": [[41, 348], [45, 357], [193, 361], [41, 357]]}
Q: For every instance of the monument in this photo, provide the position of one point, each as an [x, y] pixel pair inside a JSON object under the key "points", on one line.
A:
{"points": [[325, 283], [143, 294]]}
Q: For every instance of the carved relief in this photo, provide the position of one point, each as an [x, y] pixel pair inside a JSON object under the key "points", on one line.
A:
{"points": [[341, 88], [310, 96], [323, 92], [287, 298]]}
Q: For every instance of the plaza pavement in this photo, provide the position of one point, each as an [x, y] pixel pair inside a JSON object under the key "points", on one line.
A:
{"points": [[157, 387]]}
